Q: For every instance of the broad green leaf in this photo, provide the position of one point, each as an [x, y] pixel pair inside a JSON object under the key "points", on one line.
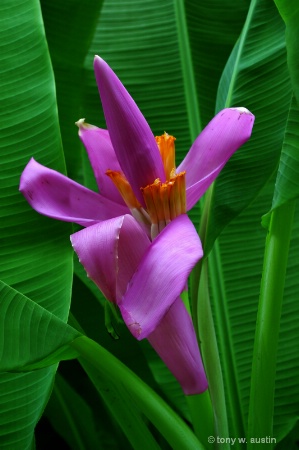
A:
{"points": [[289, 11], [69, 29], [256, 77], [213, 28], [35, 252], [31, 337], [23, 398]]}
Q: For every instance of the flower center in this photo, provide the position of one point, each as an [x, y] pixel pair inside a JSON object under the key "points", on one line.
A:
{"points": [[164, 201]]}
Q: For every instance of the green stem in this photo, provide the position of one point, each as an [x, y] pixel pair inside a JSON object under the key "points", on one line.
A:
{"points": [[225, 342], [196, 273], [260, 421], [194, 286], [202, 416], [170, 425], [204, 326], [211, 358]]}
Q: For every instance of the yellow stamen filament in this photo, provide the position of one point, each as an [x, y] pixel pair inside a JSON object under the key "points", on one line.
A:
{"points": [[167, 150], [124, 188]]}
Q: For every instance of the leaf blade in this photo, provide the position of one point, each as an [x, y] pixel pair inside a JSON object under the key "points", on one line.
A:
{"points": [[251, 74], [34, 256]]}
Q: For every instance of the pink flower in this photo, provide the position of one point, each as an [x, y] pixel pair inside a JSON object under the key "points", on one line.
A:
{"points": [[139, 246]]}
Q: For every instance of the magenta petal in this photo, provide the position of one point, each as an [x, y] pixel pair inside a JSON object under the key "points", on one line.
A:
{"points": [[161, 276], [175, 342], [131, 136], [54, 195], [226, 132], [110, 252], [102, 157]]}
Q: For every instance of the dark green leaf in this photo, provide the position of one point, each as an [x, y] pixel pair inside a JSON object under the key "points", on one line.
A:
{"points": [[287, 185], [72, 417], [213, 28], [70, 26], [289, 10], [256, 77], [235, 265]]}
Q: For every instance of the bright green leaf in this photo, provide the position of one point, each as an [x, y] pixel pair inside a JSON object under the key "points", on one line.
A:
{"points": [[31, 337], [35, 252]]}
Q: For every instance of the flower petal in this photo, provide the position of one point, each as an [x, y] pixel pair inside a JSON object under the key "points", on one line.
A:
{"points": [[175, 342], [110, 252], [57, 196], [131, 136], [226, 132], [161, 276], [102, 157]]}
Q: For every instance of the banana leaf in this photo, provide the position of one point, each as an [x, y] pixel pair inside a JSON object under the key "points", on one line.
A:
{"points": [[36, 257]]}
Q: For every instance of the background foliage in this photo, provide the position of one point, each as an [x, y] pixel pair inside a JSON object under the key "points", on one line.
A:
{"points": [[182, 61]]}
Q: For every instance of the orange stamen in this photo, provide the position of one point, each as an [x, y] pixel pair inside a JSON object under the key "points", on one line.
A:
{"points": [[124, 188], [149, 192], [167, 151], [165, 201]]}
